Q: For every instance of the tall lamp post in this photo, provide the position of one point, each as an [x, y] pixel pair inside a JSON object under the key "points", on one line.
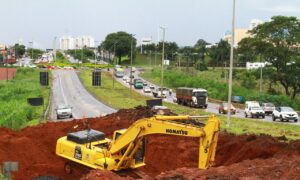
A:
{"points": [[95, 51], [231, 66], [131, 57], [162, 61], [54, 47], [113, 62], [31, 45]]}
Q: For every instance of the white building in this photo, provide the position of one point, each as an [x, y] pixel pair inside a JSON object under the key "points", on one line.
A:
{"points": [[69, 42], [66, 42], [84, 41]]}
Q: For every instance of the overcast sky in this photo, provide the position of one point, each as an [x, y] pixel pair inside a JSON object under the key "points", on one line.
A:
{"points": [[186, 20]]}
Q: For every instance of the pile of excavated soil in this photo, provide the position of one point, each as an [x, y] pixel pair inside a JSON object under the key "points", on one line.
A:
{"points": [[34, 149], [8, 73]]}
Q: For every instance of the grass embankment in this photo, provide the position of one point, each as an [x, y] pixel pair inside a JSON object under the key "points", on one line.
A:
{"points": [[119, 97], [15, 112], [216, 86]]}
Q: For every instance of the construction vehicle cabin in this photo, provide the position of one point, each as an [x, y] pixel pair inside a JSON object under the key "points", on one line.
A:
{"points": [[127, 148]]}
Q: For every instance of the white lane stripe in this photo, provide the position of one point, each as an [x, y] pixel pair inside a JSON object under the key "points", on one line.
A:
{"points": [[62, 91]]}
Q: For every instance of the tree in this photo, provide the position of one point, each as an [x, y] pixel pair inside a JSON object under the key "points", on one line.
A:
{"points": [[120, 42], [170, 49], [278, 41], [220, 53], [201, 49], [148, 48], [19, 50]]}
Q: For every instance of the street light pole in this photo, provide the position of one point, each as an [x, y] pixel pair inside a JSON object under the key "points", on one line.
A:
{"points": [[113, 78], [54, 47], [131, 56], [231, 66], [95, 51], [162, 62], [31, 44]]}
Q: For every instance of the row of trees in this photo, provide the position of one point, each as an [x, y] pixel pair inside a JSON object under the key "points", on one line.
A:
{"points": [[276, 42]]}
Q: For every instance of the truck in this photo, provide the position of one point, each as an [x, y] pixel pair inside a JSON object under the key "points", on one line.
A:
{"points": [[138, 84], [193, 97], [126, 149]]}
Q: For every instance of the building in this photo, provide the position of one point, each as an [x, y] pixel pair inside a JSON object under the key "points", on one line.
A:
{"points": [[7, 56], [69, 42], [238, 36], [84, 41], [66, 42], [241, 33]]}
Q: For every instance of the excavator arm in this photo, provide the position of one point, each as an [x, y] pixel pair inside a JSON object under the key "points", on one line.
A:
{"points": [[130, 140]]}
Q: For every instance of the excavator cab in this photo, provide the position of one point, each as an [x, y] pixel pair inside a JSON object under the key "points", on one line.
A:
{"points": [[139, 155]]}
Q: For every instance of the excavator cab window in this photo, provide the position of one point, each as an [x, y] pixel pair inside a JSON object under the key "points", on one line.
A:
{"points": [[78, 154], [140, 153]]}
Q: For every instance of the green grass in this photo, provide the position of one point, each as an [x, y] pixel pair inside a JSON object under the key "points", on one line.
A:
{"points": [[15, 112], [119, 98]]}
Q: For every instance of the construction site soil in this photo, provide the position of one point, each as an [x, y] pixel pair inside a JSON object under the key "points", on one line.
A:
{"points": [[167, 157]]}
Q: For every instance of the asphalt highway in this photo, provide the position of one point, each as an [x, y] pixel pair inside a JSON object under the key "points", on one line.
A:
{"points": [[212, 107], [68, 89]]}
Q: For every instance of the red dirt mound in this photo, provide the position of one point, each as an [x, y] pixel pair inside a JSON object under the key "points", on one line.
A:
{"points": [[34, 147], [8, 73]]}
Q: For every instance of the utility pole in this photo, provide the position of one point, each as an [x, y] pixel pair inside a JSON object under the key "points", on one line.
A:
{"points": [[131, 57], [54, 48], [162, 62], [113, 78], [231, 66], [31, 44], [95, 51]]}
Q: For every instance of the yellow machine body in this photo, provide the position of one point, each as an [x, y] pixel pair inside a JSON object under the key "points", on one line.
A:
{"points": [[127, 148]]}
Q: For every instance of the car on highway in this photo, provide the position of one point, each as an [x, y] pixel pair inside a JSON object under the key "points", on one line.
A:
{"points": [[147, 89], [284, 113], [223, 108], [151, 87], [160, 92], [253, 110], [145, 83], [125, 78], [268, 108], [63, 111]]}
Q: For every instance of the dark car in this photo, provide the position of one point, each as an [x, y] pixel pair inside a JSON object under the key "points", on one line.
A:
{"points": [[223, 108]]}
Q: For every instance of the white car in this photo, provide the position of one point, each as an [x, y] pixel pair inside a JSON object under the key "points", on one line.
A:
{"points": [[268, 108], [63, 111], [147, 89], [253, 110], [284, 113], [125, 78]]}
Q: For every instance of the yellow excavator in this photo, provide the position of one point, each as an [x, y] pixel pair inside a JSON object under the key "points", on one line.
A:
{"points": [[127, 148]]}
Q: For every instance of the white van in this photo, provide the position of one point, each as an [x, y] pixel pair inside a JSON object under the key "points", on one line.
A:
{"points": [[253, 110]]}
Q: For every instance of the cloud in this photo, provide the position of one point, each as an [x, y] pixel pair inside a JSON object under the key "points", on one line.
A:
{"points": [[289, 8]]}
